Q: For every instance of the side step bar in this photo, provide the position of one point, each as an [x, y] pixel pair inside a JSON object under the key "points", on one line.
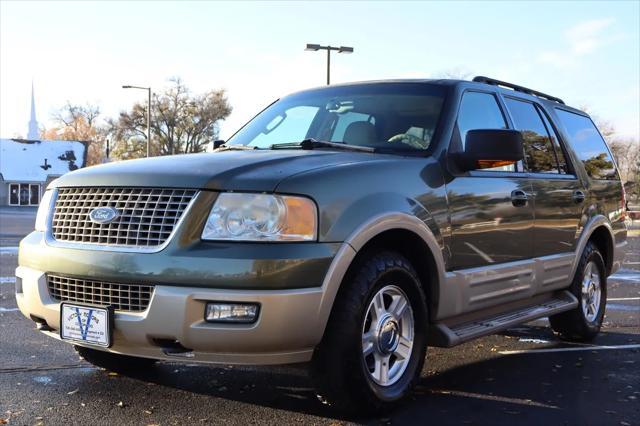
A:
{"points": [[446, 336]]}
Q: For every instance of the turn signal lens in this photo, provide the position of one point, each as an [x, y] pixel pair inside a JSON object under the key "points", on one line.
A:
{"points": [[488, 164], [300, 222]]}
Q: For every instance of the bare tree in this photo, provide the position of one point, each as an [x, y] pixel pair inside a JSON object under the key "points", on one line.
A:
{"points": [[626, 152], [457, 73], [79, 123], [180, 121]]}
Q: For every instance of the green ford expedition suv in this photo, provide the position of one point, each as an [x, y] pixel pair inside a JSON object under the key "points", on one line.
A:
{"points": [[350, 226]]}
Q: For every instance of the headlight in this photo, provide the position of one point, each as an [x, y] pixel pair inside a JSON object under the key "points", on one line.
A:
{"points": [[42, 218], [261, 217]]}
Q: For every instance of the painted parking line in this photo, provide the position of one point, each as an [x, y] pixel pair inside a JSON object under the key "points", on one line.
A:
{"points": [[632, 279], [581, 349], [620, 299], [7, 280], [8, 309], [491, 398], [625, 274], [621, 307], [9, 250]]}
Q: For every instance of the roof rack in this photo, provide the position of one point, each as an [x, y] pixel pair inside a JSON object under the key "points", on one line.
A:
{"points": [[494, 82]]}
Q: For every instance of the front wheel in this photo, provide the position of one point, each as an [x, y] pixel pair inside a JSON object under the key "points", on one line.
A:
{"points": [[589, 285], [375, 342]]}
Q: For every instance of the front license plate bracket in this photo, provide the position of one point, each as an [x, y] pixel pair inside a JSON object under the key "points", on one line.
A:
{"points": [[90, 325]]}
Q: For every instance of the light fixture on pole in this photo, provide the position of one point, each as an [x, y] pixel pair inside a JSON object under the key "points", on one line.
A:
{"points": [[148, 89], [341, 49]]}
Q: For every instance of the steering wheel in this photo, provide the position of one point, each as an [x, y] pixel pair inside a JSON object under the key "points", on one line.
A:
{"points": [[408, 139]]}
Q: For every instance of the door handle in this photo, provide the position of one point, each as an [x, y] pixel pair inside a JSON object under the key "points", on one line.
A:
{"points": [[578, 196], [519, 198]]}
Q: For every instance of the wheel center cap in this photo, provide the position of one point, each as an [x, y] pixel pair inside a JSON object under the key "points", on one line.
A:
{"points": [[388, 335]]}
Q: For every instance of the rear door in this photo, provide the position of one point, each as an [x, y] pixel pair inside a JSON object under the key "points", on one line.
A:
{"points": [[557, 192]]}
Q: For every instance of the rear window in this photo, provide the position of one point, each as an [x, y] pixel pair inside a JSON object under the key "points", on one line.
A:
{"points": [[588, 145]]}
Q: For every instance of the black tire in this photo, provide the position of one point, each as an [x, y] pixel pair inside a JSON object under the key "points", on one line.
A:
{"points": [[339, 367], [115, 362], [574, 325]]}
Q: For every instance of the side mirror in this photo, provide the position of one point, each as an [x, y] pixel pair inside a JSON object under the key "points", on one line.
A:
{"points": [[487, 148], [217, 144]]}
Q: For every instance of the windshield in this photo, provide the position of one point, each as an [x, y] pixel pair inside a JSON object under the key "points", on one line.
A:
{"points": [[384, 116]]}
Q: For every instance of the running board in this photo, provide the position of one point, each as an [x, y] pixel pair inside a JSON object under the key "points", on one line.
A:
{"points": [[446, 336]]}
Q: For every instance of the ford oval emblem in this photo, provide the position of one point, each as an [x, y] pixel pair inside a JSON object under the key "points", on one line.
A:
{"points": [[103, 215]]}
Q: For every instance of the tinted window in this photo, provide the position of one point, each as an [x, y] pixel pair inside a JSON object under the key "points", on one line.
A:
{"points": [[562, 162], [589, 145], [481, 111], [540, 156]]}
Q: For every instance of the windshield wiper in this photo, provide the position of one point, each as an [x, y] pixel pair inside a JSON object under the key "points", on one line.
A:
{"points": [[312, 143], [234, 147]]}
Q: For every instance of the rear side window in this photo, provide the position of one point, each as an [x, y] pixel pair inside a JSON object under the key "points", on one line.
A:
{"points": [[589, 145], [562, 160], [540, 155], [481, 111]]}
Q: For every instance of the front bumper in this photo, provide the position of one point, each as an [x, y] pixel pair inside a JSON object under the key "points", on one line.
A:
{"points": [[288, 328], [295, 285]]}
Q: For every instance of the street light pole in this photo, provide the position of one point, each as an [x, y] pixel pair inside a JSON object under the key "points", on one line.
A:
{"points": [[328, 66], [149, 123], [148, 89], [341, 49]]}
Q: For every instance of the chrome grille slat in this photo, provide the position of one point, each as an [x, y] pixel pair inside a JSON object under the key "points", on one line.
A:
{"points": [[123, 297], [147, 216]]}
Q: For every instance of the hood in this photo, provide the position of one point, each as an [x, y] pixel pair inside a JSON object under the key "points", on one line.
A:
{"points": [[251, 170]]}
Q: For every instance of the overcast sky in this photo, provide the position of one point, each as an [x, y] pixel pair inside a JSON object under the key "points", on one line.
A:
{"points": [[586, 53]]}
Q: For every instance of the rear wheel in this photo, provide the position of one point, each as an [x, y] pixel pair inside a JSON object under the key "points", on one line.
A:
{"points": [[590, 288], [375, 342], [114, 362]]}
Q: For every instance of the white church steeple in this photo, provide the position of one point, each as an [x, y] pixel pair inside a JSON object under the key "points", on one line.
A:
{"points": [[34, 132]]}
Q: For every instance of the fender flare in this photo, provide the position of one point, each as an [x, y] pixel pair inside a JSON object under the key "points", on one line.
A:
{"points": [[587, 231], [357, 240]]}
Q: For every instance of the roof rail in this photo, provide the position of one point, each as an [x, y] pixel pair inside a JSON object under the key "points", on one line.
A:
{"points": [[494, 82]]}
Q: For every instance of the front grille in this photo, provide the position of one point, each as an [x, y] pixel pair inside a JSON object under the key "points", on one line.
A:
{"points": [[123, 297], [146, 216]]}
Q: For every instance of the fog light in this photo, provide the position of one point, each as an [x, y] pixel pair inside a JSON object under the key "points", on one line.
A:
{"points": [[239, 313]]}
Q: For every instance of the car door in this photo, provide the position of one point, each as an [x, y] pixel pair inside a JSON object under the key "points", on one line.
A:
{"points": [[557, 193], [490, 213]]}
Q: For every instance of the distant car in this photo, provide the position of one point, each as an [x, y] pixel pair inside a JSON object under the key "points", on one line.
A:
{"points": [[350, 226]]}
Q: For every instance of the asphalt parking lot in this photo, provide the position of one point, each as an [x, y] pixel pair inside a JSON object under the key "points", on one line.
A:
{"points": [[522, 376]]}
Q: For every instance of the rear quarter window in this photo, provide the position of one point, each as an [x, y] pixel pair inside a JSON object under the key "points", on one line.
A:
{"points": [[588, 145]]}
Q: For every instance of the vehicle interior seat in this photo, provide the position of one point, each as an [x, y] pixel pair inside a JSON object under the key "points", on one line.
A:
{"points": [[360, 133]]}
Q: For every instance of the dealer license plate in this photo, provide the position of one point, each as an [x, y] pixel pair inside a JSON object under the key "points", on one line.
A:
{"points": [[86, 324]]}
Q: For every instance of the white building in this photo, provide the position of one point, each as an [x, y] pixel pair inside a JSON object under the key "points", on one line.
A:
{"points": [[28, 165]]}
